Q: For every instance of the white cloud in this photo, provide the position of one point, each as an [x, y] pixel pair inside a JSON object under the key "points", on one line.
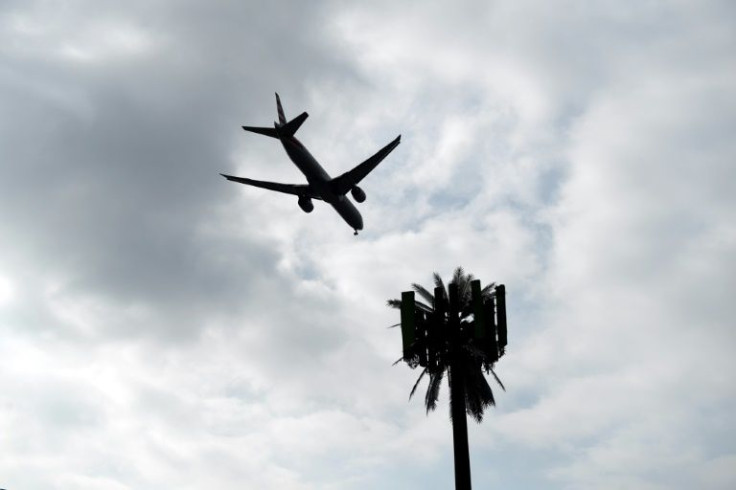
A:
{"points": [[7, 292]]}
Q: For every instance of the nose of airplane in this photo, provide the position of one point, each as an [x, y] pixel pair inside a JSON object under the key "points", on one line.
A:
{"points": [[349, 213], [358, 224], [355, 220]]}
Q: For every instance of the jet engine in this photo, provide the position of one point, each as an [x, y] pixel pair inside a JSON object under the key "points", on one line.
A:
{"points": [[357, 193], [306, 204]]}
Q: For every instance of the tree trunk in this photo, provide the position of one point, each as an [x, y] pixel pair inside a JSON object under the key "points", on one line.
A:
{"points": [[459, 427]]}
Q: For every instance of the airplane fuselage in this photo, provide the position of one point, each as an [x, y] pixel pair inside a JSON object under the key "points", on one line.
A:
{"points": [[320, 180]]}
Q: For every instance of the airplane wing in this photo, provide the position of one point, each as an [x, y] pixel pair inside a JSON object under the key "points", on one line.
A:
{"points": [[350, 179], [295, 189]]}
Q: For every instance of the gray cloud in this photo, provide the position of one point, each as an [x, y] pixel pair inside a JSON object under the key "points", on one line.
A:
{"points": [[162, 327]]}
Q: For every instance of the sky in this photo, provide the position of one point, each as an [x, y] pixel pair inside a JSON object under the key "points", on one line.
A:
{"points": [[161, 327]]}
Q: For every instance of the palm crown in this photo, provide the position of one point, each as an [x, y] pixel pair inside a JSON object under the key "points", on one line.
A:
{"points": [[474, 360]]}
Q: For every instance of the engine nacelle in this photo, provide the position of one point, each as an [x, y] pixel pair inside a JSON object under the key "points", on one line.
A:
{"points": [[357, 193], [306, 204]]}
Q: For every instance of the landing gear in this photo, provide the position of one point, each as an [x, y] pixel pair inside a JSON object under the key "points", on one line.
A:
{"points": [[356, 232]]}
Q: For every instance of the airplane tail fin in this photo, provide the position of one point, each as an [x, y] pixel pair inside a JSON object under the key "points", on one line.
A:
{"points": [[282, 128], [291, 127], [282, 118]]}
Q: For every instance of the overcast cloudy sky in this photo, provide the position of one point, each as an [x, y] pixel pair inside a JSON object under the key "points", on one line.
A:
{"points": [[163, 328]]}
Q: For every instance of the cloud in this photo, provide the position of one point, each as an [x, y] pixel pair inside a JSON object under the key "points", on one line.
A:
{"points": [[163, 327]]}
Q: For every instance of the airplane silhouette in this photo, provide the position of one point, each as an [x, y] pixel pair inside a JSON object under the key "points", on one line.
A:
{"points": [[320, 185]]}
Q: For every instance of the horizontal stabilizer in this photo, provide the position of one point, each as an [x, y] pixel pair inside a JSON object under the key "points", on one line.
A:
{"points": [[267, 131], [292, 126], [350, 179]]}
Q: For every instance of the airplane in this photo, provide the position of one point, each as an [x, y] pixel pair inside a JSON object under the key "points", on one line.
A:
{"points": [[319, 185]]}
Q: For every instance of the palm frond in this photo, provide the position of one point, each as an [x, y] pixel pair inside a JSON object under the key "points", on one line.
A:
{"points": [[394, 303], [488, 290], [478, 394], [433, 390], [498, 380], [428, 297], [424, 307], [438, 283], [464, 289], [457, 275], [424, 371]]}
